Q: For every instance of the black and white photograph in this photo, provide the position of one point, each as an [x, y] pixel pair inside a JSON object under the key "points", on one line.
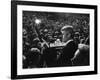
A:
{"points": [[55, 39], [52, 39]]}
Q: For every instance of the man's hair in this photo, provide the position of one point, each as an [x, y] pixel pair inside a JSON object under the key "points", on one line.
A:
{"points": [[69, 29]]}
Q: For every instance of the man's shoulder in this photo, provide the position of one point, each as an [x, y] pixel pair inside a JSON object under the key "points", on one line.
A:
{"points": [[70, 42]]}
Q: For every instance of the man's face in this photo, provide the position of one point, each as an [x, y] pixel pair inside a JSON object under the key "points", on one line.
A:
{"points": [[65, 36]]}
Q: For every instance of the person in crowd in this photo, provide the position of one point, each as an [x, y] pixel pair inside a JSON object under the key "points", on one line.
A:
{"points": [[33, 58], [81, 57], [87, 41], [70, 47], [76, 37], [48, 56]]}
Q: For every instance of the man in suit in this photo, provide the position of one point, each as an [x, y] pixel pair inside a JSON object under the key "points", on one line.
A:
{"points": [[70, 48]]}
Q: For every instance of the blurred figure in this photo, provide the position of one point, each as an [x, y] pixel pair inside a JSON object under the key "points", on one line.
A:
{"points": [[76, 38], [35, 42], [33, 58], [87, 41], [82, 39], [81, 57], [48, 57], [70, 48]]}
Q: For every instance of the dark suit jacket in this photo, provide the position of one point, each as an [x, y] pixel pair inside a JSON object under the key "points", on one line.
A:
{"points": [[67, 53]]}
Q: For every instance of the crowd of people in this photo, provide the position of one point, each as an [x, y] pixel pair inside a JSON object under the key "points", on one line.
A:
{"points": [[41, 29]]}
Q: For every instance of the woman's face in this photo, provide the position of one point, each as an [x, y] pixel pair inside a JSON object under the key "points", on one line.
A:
{"points": [[65, 36]]}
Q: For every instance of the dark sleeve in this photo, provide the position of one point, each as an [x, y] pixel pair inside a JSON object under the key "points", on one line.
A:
{"points": [[69, 50]]}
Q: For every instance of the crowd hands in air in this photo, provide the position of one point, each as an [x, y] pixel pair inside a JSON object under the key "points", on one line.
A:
{"points": [[39, 54]]}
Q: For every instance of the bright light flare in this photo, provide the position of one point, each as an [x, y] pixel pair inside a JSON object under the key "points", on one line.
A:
{"points": [[37, 21]]}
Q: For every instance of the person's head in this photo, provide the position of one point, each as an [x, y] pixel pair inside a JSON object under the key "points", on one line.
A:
{"points": [[77, 34], [67, 32]]}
